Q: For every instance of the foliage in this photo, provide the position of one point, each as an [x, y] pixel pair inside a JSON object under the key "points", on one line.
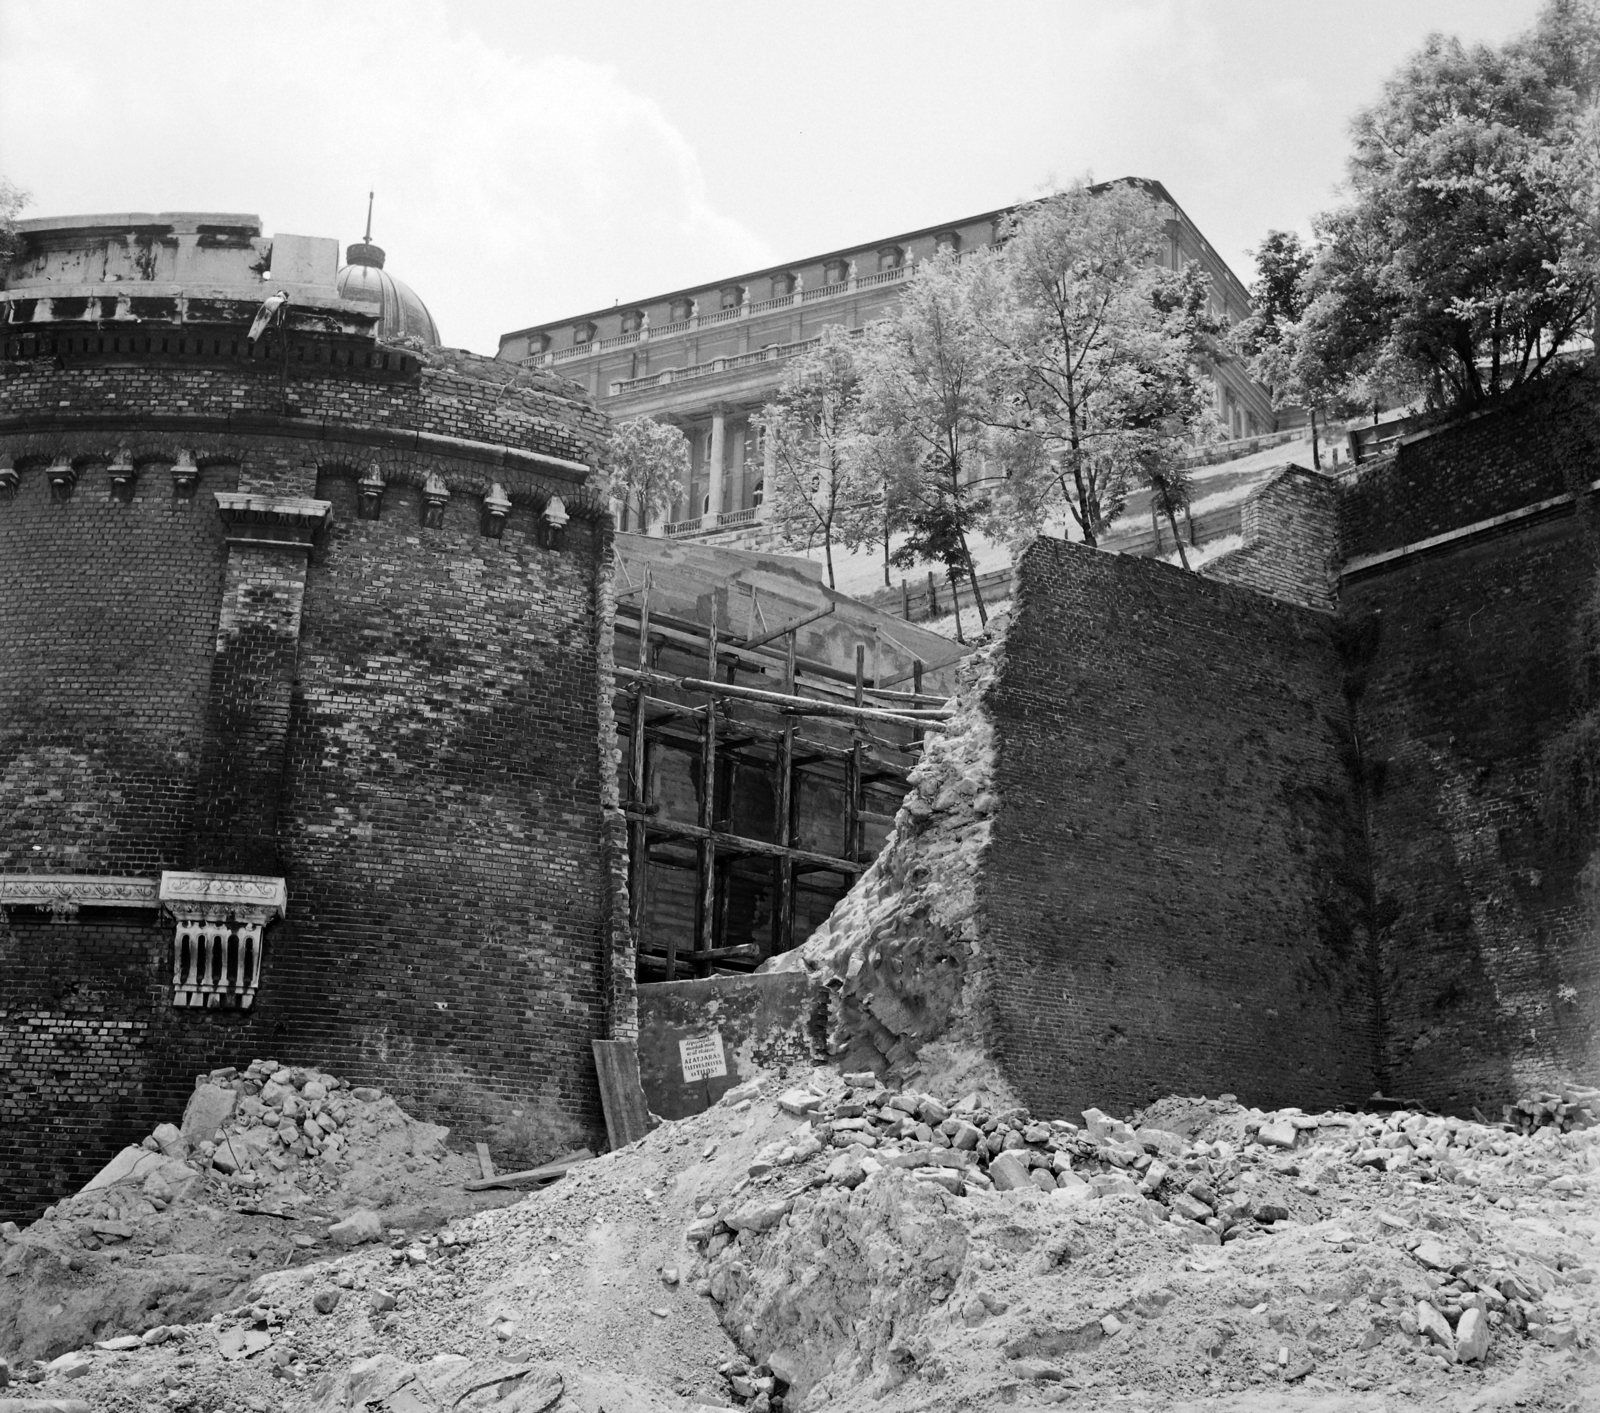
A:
{"points": [[927, 375], [1099, 386], [12, 200], [1466, 259], [818, 492], [647, 466]]}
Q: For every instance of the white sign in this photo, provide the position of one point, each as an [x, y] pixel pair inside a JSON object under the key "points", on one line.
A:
{"points": [[702, 1056]]}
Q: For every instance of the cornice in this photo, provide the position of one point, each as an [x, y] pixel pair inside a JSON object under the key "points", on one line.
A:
{"points": [[320, 429], [249, 896], [62, 894]]}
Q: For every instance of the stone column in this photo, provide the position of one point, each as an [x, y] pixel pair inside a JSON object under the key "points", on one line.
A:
{"points": [[714, 459], [769, 474]]}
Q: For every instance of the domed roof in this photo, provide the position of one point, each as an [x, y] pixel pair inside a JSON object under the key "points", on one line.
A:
{"points": [[363, 279]]}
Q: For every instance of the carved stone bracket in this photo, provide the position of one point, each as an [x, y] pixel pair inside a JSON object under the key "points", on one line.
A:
{"points": [[496, 506], [371, 486], [555, 519], [63, 894], [185, 476], [435, 496], [123, 475], [217, 948], [63, 476], [271, 520], [9, 479]]}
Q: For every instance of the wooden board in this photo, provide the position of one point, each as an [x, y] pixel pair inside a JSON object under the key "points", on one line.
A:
{"points": [[621, 1095], [485, 1163], [548, 1173]]}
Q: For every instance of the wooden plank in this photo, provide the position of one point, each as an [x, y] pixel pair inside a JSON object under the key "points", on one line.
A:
{"points": [[616, 1063], [798, 706], [549, 1172], [485, 1162], [783, 821], [791, 626]]}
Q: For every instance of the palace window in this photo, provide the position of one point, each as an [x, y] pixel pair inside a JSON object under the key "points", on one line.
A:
{"points": [[782, 285], [947, 240], [732, 296], [891, 257], [632, 320], [582, 333], [681, 309], [836, 272]]}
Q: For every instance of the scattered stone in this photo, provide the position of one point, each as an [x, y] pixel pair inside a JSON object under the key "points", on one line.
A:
{"points": [[358, 1227], [366, 1094], [1277, 1135], [1434, 1326], [1472, 1336], [326, 1302]]}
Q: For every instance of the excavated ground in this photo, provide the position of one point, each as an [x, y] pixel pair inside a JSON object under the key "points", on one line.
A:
{"points": [[825, 1245]]}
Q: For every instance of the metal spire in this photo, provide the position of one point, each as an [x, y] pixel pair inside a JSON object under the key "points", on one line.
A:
{"points": [[368, 237]]}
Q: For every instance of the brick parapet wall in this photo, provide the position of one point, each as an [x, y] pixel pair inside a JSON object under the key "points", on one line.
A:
{"points": [[1290, 529], [462, 396], [1508, 455], [1173, 891]]}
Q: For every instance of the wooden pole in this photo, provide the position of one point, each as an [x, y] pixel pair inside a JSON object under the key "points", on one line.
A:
{"points": [[783, 822], [905, 601], [639, 841], [852, 772], [916, 686], [705, 919]]}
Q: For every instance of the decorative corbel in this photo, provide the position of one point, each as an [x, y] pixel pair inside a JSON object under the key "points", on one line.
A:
{"points": [[496, 506], [9, 480], [554, 519], [217, 949], [123, 474], [435, 496], [371, 486], [63, 477], [185, 476]]}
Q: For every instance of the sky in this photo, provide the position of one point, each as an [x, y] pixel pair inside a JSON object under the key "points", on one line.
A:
{"points": [[534, 161]]}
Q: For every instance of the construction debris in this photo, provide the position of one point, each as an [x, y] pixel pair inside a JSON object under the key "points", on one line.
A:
{"points": [[818, 1241]]}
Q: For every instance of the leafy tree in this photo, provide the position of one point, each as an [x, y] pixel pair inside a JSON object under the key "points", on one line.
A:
{"points": [[938, 526], [818, 494], [647, 464], [1466, 260], [926, 372], [12, 200], [1099, 384]]}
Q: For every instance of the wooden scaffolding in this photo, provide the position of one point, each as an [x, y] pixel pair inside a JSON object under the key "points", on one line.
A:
{"points": [[693, 692]]}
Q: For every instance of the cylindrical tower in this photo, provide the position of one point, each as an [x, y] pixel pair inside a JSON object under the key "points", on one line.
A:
{"points": [[303, 669]]}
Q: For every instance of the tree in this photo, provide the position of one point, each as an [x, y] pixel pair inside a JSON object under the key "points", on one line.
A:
{"points": [[647, 464], [1465, 261], [12, 200], [817, 494], [1098, 385], [926, 374]]}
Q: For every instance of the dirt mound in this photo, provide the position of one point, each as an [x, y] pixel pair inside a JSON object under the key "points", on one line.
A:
{"points": [[265, 1162], [845, 1246]]}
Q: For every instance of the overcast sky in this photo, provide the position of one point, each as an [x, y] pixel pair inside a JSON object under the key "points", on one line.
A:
{"points": [[535, 160]]}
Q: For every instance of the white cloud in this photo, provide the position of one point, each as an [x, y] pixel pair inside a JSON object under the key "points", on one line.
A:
{"points": [[510, 189]]}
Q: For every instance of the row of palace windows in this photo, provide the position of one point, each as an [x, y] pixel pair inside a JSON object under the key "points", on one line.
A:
{"points": [[834, 272]]}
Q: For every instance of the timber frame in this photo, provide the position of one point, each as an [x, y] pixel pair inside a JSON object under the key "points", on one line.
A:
{"points": [[741, 705]]}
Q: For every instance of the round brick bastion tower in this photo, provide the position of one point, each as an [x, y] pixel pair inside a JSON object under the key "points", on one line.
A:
{"points": [[304, 698]]}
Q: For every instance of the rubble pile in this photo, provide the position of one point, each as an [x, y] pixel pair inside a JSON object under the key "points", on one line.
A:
{"points": [[260, 1173], [828, 1242]]}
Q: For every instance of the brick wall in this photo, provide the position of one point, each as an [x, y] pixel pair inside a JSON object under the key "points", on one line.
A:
{"points": [[106, 644], [1491, 981], [1291, 540], [1174, 889], [406, 722]]}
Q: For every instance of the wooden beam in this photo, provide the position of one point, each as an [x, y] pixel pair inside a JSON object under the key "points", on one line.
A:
{"points": [[706, 916], [739, 843], [793, 625], [548, 1173], [797, 706], [694, 634]]}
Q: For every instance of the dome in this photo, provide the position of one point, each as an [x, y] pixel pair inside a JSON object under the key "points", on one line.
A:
{"points": [[364, 280]]}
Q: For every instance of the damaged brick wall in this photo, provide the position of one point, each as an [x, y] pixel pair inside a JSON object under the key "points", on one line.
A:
{"points": [[1174, 892], [1291, 540]]}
